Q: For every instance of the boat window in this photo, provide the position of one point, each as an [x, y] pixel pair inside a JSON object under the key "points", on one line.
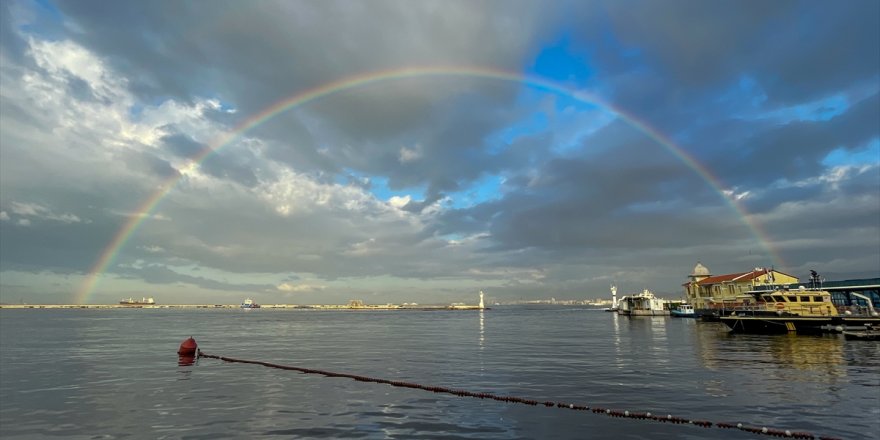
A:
{"points": [[778, 298], [805, 298], [792, 298], [817, 299]]}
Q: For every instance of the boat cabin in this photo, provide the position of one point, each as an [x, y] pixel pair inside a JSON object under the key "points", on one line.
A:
{"points": [[798, 302]]}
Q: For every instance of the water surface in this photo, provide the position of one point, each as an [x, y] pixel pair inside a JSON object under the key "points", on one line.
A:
{"points": [[114, 374]]}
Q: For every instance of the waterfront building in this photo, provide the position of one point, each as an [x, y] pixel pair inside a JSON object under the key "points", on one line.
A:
{"points": [[707, 291]]}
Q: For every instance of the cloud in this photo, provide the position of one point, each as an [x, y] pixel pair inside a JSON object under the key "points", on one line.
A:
{"points": [[290, 287], [38, 211], [399, 202], [410, 154]]}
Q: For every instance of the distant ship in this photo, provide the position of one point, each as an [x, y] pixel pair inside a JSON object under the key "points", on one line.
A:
{"points": [[249, 304], [133, 302]]}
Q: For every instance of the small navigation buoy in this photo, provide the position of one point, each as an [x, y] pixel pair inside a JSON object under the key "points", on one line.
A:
{"points": [[188, 347]]}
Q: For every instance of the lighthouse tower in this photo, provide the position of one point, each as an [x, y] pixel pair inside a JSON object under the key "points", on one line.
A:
{"points": [[613, 297], [482, 306]]}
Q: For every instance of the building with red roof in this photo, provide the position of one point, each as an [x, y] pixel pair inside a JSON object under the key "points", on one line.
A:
{"points": [[707, 291]]}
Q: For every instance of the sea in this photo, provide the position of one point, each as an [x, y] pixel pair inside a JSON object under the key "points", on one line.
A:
{"points": [[115, 374]]}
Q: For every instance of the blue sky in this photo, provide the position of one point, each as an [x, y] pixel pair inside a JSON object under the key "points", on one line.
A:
{"points": [[429, 189]]}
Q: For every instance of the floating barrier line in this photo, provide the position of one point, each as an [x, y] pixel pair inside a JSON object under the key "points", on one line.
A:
{"points": [[763, 430]]}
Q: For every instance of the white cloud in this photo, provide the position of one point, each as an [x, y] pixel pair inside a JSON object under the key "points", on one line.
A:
{"points": [[4, 216], [65, 57], [289, 287], [399, 202], [42, 212], [294, 193]]}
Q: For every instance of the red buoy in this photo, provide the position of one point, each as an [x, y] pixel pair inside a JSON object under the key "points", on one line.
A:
{"points": [[188, 347]]}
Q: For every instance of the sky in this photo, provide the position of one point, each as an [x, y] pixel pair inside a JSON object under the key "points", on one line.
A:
{"points": [[393, 151]]}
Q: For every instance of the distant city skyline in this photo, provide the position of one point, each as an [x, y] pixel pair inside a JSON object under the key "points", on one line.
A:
{"points": [[318, 152]]}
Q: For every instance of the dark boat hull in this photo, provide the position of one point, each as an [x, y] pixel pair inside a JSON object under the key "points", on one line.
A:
{"points": [[794, 324]]}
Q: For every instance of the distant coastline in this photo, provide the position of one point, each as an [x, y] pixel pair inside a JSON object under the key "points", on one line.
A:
{"points": [[238, 306]]}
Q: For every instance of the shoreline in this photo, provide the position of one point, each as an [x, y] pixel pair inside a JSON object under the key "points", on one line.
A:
{"points": [[238, 306]]}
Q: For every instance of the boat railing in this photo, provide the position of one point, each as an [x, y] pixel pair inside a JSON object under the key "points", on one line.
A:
{"points": [[857, 310], [791, 309]]}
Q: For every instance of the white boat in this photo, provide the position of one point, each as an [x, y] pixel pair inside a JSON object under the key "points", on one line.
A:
{"points": [[249, 304], [684, 311], [642, 304]]}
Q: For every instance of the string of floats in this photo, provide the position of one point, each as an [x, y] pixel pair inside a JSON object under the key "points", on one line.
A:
{"points": [[763, 430]]}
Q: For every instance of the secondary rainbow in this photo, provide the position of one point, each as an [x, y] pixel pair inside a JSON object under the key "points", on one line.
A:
{"points": [[144, 211]]}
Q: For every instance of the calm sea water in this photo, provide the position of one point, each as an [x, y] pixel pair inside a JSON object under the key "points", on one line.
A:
{"points": [[114, 374]]}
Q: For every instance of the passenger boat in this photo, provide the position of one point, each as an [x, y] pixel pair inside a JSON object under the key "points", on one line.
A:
{"points": [[642, 304], [249, 304], [800, 311], [683, 311]]}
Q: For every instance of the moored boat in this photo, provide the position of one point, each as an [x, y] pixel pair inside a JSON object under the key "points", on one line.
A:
{"points": [[800, 311], [642, 304], [683, 311]]}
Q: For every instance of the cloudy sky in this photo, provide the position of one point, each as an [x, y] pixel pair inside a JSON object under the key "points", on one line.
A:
{"points": [[527, 149]]}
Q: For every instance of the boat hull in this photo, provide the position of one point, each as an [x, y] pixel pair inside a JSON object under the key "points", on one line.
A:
{"points": [[680, 314], [794, 324], [648, 312]]}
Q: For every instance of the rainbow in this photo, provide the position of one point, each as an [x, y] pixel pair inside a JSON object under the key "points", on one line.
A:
{"points": [[149, 205]]}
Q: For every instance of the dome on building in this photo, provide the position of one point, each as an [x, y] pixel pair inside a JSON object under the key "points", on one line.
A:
{"points": [[700, 270]]}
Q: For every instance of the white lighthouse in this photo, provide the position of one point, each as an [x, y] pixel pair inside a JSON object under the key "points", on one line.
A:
{"points": [[613, 297], [482, 306]]}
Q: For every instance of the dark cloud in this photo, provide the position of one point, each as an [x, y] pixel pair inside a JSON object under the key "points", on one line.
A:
{"points": [[149, 164], [182, 145], [793, 150]]}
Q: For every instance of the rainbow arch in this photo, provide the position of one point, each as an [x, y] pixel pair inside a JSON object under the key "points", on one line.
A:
{"points": [[146, 207]]}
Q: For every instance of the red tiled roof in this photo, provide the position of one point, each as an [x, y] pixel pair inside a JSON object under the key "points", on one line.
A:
{"points": [[734, 277]]}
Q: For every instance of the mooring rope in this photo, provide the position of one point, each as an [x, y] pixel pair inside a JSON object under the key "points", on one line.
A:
{"points": [[563, 405]]}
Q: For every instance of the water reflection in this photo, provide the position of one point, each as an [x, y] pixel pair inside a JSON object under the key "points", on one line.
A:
{"points": [[816, 354], [787, 357], [482, 330], [617, 351], [185, 360]]}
